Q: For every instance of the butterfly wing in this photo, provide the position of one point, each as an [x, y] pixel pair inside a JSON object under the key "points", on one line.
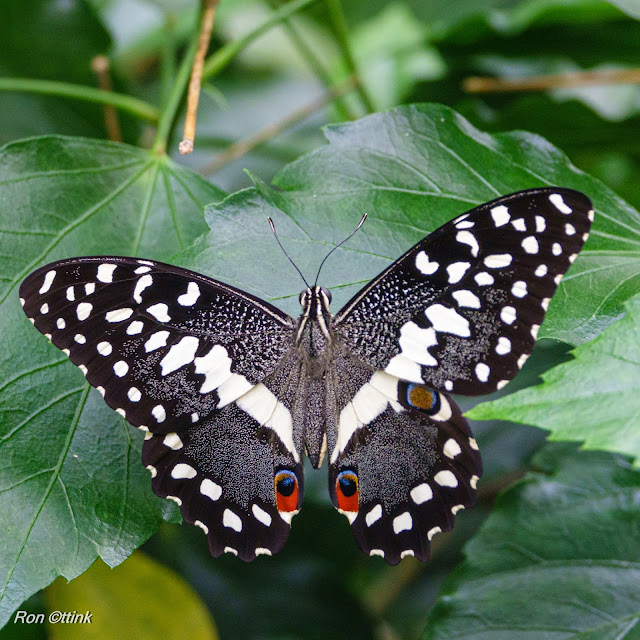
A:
{"points": [[197, 364], [458, 312]]}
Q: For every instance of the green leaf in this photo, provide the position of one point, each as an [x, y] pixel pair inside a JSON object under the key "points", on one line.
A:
{"points": [[594, 398], [54, 41], [130, 601], [557, 558], [71, 484], [630, 7], [412, 169]]}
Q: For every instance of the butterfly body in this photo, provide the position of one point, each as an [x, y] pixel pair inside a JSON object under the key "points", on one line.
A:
{"points": [[232, 392]]}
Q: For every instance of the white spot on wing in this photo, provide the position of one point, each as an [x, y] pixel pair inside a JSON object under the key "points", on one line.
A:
{"points": [[403, 522], [134, 394], [424, 266], [157, 340], [118, 315], [456, 271], [210, 489], [215, 366], [569, 229], [180, 354], [498, 260], [541, 224], [121, 368], [446, 479], [466, 237], [183, 471], [519, 224], [558, 203], [105, 272], [71, 294], [447, 320], [189, 299], [508, 315], [199, 523], [231, 520], [84, 310], [159, 413], [403, 368], [135, 328], [160, 312], [89, 288], [432, 532], [500, 215], [421, 493], [483, 278], [530, 245], [541, 270], [48, 281], [44, 308], [504, 346], [519, 289], [482, 371], [415, 342], [451, 448], [141, 285], [104, 348], [172, 440], [60, 323], [374, 515], [261, 515], [466, 298]]}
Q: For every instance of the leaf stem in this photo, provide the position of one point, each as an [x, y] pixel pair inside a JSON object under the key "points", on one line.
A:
{"points": [[133, 106], [221, 58], [341, 31], [170, 112]]}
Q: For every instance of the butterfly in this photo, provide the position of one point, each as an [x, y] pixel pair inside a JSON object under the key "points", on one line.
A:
{"points": [[232, 392]]}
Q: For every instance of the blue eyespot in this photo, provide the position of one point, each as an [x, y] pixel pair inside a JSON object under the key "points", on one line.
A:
{"points": [[420, 397]]}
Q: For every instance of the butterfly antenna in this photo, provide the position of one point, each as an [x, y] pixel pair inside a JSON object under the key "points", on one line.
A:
{"points": [[295, 266], [364, 217]]}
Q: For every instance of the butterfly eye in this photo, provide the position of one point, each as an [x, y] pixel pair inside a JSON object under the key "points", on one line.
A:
{"points": [[304, 298], [347, 491], [326, 293], [286, 484], [423, 399]]}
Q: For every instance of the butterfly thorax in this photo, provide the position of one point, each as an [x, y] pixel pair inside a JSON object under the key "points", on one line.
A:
{"points": [[314, 340]]}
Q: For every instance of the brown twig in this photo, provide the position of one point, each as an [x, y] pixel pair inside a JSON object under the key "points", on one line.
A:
{"points": [[186, 146], [476, 84], [244, 145], [100, 66]]}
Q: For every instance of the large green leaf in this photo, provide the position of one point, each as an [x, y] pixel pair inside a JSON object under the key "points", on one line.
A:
{"points": [[121, 607], [558, 558], [71, 484], [412, 169], [594, 398]]}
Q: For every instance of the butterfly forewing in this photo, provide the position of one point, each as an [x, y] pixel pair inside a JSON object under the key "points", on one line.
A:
{"points": [[460, 311], [164, 345]]}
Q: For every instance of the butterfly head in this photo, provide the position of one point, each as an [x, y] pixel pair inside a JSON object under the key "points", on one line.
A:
{"points": [[315, 301]]}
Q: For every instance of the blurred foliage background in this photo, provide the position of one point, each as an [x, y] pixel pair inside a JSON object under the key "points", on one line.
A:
{"points": [[327, 62]]}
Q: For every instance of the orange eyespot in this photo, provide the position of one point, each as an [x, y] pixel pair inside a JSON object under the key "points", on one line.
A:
{"points": [[347, 491], [286, 484]]}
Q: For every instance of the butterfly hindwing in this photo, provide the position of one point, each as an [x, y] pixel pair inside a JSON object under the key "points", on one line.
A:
{"points": [[224, 474], [402, 460], [460, 311], [131, 327]]}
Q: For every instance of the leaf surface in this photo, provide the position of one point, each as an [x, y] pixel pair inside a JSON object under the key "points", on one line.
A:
{"points": [[71, 484], [557, 559]]}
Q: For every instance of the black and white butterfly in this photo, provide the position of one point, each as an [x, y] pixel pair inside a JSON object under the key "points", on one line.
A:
{"points": [[232, 392]]}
